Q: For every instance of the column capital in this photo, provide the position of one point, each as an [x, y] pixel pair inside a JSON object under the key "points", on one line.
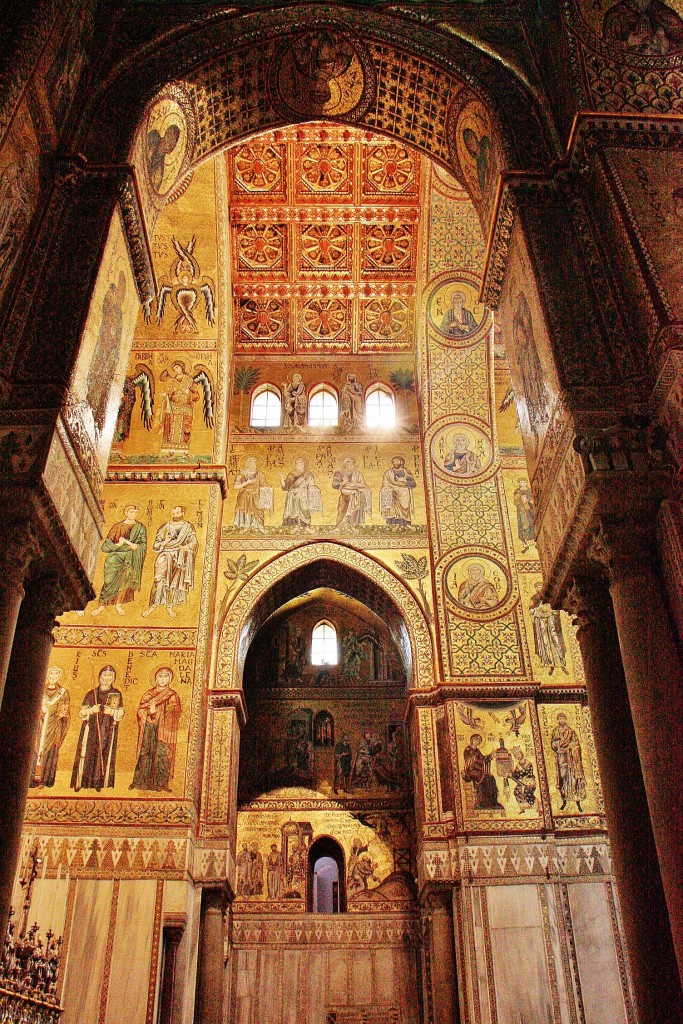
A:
{"points": [[45, 599], [20, 549], [437, 900], [587, 600], [624, 547]]}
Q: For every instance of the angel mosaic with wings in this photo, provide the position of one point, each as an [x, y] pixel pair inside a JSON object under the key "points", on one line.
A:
{"points": [[182, 288], [141, 382]]}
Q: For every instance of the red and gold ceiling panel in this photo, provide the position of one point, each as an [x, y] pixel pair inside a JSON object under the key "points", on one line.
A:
{"points": [[387, 249], [261, 249], [324, 170], [325, 225], [390, 171], [262, 325], [324, 325], [258, 172], [325, 249], [386, 325]]}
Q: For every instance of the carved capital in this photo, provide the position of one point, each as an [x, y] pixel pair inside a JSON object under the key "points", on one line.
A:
{"points": [[44, 601], [437, 900], [625, 547], [21, 547], [587, 600], [219, 700], [635, 443]]}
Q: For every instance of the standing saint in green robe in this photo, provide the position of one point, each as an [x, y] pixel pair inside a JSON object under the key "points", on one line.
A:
{"points": [[125, 547]]}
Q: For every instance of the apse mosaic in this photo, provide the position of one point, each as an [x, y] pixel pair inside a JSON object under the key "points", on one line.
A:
{"points": [[114, 723], [329, 736], [322, 488], [570, 758], [272, 860], [498, 763]]}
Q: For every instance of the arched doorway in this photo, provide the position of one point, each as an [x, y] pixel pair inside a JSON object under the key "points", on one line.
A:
{"points": [[326, 877]]}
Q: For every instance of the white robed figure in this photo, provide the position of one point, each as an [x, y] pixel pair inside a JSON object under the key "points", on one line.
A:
{"points": [[303, 497], [176, 544]]}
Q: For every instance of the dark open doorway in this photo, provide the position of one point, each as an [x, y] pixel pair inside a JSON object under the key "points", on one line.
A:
{"points": [[326, 877]]}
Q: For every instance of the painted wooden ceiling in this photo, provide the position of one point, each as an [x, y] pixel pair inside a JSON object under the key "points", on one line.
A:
{"points": [[325, 232]]}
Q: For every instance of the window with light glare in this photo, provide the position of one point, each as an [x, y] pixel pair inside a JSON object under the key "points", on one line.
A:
{"points": [[324, 644], [380, 409], [266, 409]]}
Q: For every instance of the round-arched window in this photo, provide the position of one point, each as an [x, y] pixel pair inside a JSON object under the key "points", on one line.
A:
{"points": [[324, 650], [266, 408], [323, 407], [380, 408]]}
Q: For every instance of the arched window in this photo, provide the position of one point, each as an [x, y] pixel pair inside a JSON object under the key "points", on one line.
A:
{"points": [[323, 407], [324, 644], [266, 407], [326, 890], [380, 407]]}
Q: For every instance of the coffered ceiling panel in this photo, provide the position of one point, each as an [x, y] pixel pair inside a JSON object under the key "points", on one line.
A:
{"points": [[325, 225]]}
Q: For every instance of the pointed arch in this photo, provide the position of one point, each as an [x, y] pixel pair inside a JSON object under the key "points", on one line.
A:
{"points": [[324, 563]]}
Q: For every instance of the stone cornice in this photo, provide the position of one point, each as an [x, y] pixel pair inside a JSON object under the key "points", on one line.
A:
{"points": [[170, 474], [220, 700]]}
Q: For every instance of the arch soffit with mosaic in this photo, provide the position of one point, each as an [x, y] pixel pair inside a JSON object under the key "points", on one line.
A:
{"points": [[236, 636], [528, 134]]}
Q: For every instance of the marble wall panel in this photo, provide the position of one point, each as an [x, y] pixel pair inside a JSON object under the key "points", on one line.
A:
{"points": [[602, 982], [519, 966], [89, 952], [131, 956]]}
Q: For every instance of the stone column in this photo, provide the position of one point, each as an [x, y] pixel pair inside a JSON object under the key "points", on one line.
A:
{"points": [[20, 547], [441, 949], [654, 676], [654, 971], [210, 967], [19, 718]]}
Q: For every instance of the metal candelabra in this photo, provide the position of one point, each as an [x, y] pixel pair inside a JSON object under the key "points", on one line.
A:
{"points": [[29, 965]]}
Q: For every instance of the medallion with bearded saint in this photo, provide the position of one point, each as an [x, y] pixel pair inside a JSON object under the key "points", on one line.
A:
{"points": [[389, 246], [324, 318], [260, 246], [390, 168], [325, 246]]}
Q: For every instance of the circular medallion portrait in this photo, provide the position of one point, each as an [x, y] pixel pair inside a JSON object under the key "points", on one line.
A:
{"points": [[473, 147], [479, 586], [167, 145], [323, 73], [461, 451], [456, 312]]}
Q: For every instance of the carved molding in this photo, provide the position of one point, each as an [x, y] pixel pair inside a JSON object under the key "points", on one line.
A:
{"points": [[220, 700], [587, 600], [625, 548], [590, 133], [73, 169], [44, 600]]}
